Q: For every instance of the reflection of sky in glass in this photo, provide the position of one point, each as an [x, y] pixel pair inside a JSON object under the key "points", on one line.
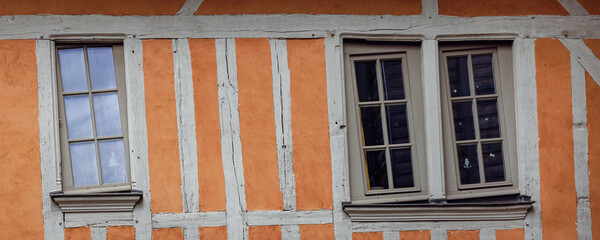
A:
{"points": [[102, 68], [112, 160], [72, 70], [79, 118], [108, 118], [83, 162]]}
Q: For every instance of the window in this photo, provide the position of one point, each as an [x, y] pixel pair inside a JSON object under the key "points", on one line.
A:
{"points": [[386, 136], [92, 118]]}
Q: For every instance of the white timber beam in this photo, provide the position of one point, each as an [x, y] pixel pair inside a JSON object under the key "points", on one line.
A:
{"points": [[189, 7]]}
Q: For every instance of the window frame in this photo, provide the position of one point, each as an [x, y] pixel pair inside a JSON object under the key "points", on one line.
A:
{"points": [[121, 90]]}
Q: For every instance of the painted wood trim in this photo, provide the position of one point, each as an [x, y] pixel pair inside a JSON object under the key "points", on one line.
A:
{"points": [[290, 232], [98, 232], [265, 218], [430, 7], [189, 8], [573, 7], [434, 226], [191, 233], [189, 220], [391, 236], [585, 56]]}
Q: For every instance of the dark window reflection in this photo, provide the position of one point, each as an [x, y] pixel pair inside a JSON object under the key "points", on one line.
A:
{"points": [[377, 170], [392, 79], [488, 118], [492, 162], [458, 75], [397, 124], [468, 164], [463, 120], [483, 74], [366, 81], [371, 125], [402, 168]]}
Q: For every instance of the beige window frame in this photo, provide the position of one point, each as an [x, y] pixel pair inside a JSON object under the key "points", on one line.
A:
{"points": [[504, 94], [67, 174], [410, 55]]}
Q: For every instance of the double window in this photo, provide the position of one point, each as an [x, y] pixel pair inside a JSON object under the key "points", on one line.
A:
{"points": [[386, 121]]}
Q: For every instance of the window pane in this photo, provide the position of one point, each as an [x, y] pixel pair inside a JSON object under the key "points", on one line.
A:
{"points": [[376, 170], [72, 70], [402, 168], [468, 164], [366, 81], [492, 162], [393, 80], [79, 118], [458, 75], [112, 161], [483, 74], [488, 118], [108, 117], [397, 124], [463, 120], [83, 162], [102, 68], [371, 126]]}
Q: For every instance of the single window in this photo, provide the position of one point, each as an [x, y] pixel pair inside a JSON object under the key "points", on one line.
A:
{"points": [[92, 118], [386, 135]]}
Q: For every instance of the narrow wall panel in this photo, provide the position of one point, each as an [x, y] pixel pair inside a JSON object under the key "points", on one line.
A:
{"points": [[264, 233], [415, 235], [20, 173], [257, 125], [510, 234], [368, 236], [555, 124], [161, 119], [80, 233], [167, 234], [316, 232], [473, 8], [213, 233], [463, 235], [310, 130], [593, 123], [211, 183]]}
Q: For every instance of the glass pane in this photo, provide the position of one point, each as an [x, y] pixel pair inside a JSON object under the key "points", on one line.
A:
{"points": [[72, 70], [402, 168], [79, 118], [371, 126], [102, 68], [463, 120], [492, 162], [458, 75], [393, 80], [376, 170], [397, 124], [468, 164], [83, 162], [366, 81], [483, 74], [112, 161], [108, 117], [488, 118]]}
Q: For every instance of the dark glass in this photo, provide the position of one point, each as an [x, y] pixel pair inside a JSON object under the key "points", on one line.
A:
{"points": [[458, 75], [371, 125], [488, 118], [393, 81], [483, 74], [463, 120], [493, 164], [377, 170], [366, 81], [402, 168], [397, 124], [468, 164]]}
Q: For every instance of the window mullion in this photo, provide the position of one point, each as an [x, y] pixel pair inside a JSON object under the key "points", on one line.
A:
{"points": [[384, 126], [476, 120], [91, 100]]}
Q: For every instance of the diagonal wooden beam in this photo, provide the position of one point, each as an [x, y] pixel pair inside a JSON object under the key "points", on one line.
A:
{"points": [[189, 7]]}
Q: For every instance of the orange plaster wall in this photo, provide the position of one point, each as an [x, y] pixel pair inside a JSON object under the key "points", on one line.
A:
{"points": [[415, 235], [510, 234], [593, 124], [463, 235], [161, 119], [167, 234], [592, 6], [211, 182], [77, 7], [473, 8], [382, 7], [20, 176], [317, 232], [120, 233], [80, 233], [367, 236], [257, 124], [594, 45], [213, 233], [264, 232], [310, 124], [555, 129]]}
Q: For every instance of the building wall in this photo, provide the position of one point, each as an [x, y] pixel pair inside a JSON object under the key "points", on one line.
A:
{"points": [[237, 121]]}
